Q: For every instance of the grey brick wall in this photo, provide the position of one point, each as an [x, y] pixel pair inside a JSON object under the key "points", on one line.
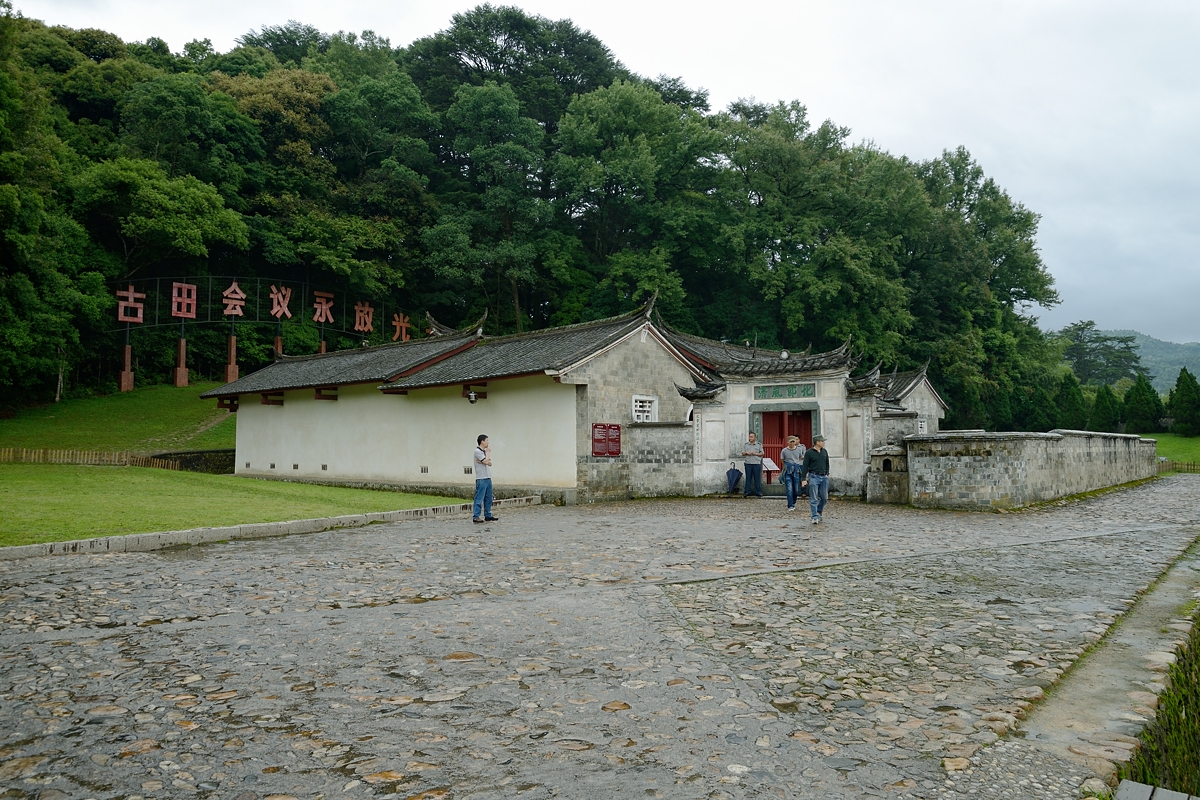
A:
{"points": [[650, 464], [977, 470]]}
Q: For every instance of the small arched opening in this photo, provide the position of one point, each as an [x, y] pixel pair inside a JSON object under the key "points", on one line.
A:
{"points": [[887, 465]]}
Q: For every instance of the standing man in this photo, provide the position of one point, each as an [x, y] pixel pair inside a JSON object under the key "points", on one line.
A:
{"points": [[753, 452], [793, 462], [815, 474], [483, 481]]}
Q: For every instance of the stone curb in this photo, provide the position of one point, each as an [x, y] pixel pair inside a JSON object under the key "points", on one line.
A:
{"points": [[144, 542]]}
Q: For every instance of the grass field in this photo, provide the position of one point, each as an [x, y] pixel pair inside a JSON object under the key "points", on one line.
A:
{"points": [[1177, 448], [54, 503], [152, 419]]}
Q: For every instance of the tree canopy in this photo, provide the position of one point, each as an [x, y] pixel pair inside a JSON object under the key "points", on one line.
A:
{"points": [[1098, 358], [508, 163]]}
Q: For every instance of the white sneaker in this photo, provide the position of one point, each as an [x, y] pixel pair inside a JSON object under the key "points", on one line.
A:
{"points": [[815, 521], [790, 508]]}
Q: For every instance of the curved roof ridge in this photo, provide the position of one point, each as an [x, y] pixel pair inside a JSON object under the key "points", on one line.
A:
{"points": [[283, 358], [631, 316]]}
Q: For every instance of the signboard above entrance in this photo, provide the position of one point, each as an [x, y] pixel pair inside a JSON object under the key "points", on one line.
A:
{"points": [[786, 390]]}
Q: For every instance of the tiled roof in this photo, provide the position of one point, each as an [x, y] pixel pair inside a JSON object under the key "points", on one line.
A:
{"points": [[890, 389], [734, 360], [701, 391], [365, 365], [524, 353]]}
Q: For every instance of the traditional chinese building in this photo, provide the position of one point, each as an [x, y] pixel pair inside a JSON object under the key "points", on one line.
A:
{"points": [[614, 408]]}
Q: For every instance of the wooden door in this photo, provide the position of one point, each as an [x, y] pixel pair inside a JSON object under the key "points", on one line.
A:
{"points": [[799, 424], [774, 437]]}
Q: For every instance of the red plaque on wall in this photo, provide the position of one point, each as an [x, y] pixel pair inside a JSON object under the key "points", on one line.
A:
{"points": [[614, 440], [606, 440]]}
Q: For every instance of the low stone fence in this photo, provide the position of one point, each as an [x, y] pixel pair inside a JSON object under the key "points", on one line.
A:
{"points": [[979, 470], [25, 455], [213, 462]]}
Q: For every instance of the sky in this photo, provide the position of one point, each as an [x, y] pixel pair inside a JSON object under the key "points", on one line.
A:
{"points": [[1086, 112]]}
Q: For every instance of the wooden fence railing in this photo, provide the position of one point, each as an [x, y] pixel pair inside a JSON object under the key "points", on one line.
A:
{"points": [[26, 455], [1178, 466]]}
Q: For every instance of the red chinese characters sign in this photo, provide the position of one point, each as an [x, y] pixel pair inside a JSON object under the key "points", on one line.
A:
{"points": [[606, 440], [183, 300]]}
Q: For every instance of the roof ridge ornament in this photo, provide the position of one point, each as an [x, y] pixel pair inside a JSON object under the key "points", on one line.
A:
{"points": [[438, 329], [649, 307]]}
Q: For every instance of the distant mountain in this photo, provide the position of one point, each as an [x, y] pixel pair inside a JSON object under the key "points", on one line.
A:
{"points": [[1164, 359]]}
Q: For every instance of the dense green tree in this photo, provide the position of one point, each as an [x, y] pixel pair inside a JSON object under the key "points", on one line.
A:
{"points": [[1072, 408], [1040, 413], [289, 43], [1143, 407], [1184, 406], [177, 122], [1106, 411], [140, 216], [546, 62]]}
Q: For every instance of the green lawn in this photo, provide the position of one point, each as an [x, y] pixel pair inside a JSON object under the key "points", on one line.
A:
{"points": [[53, 503], [151, 419], [1177, 448]]}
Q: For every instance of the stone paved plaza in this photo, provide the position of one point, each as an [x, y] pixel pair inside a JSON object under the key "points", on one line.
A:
{"points": [[688, 649]]}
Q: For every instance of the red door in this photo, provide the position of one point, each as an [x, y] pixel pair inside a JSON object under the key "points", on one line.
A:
{"points": [[778, 425], [774, 436], [799, 423]]}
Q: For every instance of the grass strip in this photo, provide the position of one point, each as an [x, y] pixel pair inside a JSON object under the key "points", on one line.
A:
{"points": [[1175, 447], [1169, 755], [60, 502]]}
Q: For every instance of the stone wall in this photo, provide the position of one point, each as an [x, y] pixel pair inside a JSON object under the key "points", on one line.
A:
{"points": [[978, 470], [604, 390], [214, 462], [660, 459]]}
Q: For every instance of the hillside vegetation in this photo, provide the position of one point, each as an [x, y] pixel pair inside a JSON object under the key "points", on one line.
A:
{"points": [[148, 420], [1164, 359], [509, 164]]}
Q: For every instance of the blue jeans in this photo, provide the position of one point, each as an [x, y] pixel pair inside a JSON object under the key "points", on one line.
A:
{"points": [[754, 479], [791, 482], [818, 493], [483, 498]]}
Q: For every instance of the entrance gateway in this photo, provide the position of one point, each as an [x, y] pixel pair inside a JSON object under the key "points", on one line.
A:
{"points": [[777, 426]]}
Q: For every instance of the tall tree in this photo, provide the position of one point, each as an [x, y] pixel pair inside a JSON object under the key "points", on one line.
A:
{"points": [[546, 62], [1106, 411], [1143, 407], [1185, 405], [1071, 405], [1099, 358]]}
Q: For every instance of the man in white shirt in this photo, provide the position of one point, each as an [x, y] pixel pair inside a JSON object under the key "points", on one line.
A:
{"points": [[483, 482]]}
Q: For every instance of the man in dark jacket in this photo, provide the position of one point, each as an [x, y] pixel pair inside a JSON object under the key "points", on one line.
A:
{"points": [[814, 473]]}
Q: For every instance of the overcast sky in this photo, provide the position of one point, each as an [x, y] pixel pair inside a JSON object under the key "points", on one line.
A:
{"points": [[1087, 112]]}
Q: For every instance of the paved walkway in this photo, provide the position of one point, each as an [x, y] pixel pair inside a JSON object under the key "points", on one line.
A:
{"points": [[662, 649]]}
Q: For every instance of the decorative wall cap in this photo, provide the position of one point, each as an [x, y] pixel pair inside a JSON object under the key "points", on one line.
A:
{"points": [[658, 425], [995, 436], [889, 450]]}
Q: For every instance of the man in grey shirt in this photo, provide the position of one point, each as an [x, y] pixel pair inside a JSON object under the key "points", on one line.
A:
{"points": [[483, 481], [753, 452], [792, 457]]}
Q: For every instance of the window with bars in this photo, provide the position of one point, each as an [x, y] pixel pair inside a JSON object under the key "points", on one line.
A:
{"points": [[645, 409]]}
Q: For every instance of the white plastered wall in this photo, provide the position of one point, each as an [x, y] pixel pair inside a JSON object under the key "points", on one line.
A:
{"points": [[369, 436]]}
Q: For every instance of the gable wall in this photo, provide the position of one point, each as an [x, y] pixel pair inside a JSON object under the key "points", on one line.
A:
{"points": [[605, 387]]}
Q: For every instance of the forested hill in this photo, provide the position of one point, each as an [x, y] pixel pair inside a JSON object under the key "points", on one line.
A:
{"points": [[509, 163], [1164, 359]]}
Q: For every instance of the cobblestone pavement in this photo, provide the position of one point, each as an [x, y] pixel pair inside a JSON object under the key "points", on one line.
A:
{"points": [[706, 648]]}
